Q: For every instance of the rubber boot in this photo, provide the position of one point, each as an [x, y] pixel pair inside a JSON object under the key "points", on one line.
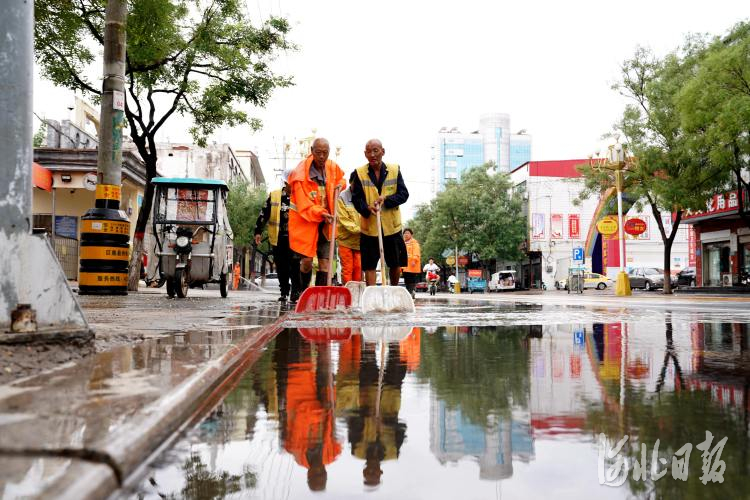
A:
{"points": [[305, 280], [321, 278]]}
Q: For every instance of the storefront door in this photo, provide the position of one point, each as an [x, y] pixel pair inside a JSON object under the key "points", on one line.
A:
{"points": [[715, 262]]}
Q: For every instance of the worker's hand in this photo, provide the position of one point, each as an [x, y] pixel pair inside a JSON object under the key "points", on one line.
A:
{"points": [[257, 240], [328, 217], [373, 209]]}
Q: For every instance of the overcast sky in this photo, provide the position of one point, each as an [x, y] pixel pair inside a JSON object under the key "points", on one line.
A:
{"points": [[400, 70]]}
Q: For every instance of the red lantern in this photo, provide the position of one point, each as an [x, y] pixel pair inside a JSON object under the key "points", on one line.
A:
{"points": [[635, 226]]}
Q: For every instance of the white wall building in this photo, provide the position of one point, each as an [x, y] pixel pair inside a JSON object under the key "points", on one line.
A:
{"points": [[557, 225]]}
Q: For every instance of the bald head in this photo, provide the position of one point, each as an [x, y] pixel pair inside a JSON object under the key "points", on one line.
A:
{"points": [[374, 152], [320, 150]]}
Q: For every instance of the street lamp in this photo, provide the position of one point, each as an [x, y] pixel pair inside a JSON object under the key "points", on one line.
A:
{"points": [[617, 160]]}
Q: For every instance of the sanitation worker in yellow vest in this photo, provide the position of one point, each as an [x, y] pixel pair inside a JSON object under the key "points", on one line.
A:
{"points": [[275, 213], [380, 187], [347, 236]]}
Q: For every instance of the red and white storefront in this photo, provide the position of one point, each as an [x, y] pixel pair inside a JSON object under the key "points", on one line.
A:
{"points": [[719, 242]]}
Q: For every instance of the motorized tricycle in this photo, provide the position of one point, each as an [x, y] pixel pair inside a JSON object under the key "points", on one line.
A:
{"points": [[192, 233]]}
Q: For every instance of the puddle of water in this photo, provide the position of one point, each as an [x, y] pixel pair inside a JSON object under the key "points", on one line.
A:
{"points": [[475, 412]]}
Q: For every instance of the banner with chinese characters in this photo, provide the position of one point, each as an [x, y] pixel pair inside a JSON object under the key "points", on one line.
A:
{"points": [[691, 246], [556, 226], [574, 226], [537, 226]]}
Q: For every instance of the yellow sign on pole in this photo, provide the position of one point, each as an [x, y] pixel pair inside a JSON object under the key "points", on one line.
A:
{"points": [[450, 260], [607, 226]]}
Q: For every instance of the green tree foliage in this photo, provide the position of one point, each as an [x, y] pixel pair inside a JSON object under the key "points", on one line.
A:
{"points": [[40, 135], [244, 203], [201, 59], [715, 109], [479, 214], [663, 172]]}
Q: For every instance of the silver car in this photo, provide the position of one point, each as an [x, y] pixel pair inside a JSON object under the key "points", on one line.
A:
{"points": [[648, 278]]}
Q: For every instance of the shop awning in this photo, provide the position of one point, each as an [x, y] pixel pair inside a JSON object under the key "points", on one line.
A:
{"points": [[42, 177]]}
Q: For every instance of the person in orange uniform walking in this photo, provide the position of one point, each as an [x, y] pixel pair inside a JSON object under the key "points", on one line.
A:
{"points": [[413, 271], [347, 236], [315, 185]]}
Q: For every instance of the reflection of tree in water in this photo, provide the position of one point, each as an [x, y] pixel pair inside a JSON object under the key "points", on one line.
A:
{"points": [[206, 485], [675, 419], [484, 372]]}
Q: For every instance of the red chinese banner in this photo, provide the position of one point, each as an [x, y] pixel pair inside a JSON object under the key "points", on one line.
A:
{"points": [[574, 226], [556, 226], [691, 246]]}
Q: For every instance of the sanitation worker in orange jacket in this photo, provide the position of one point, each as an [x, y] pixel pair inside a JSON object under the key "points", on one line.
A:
{"points": [[315, 186], [413, 271]]}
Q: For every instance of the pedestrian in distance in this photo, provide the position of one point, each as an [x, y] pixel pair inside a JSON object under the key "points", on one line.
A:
{"points": [[413, 271], [315, 186], [275, 213], [432, 275], [347, 236], [379, 187]]}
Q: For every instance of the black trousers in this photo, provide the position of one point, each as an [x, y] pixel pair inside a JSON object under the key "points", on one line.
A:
{"points": [[411, 280], [287, 267]]}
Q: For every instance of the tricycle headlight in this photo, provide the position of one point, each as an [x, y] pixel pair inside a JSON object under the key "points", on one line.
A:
{"points": [[182, 241]]}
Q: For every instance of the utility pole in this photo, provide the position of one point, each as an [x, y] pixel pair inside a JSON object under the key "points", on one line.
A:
{"points": [[105, 229], [34, 293]]}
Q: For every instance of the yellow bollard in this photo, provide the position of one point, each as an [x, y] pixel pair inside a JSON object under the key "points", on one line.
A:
{"points": [[622, 287], [457, 287]]}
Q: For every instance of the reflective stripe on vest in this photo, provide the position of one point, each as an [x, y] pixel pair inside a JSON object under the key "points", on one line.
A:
{"points": [[390, 218], [275, 218]]}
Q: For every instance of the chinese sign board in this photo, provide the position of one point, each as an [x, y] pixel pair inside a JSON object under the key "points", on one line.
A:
{"points": [[718, 204], [574, 226]]}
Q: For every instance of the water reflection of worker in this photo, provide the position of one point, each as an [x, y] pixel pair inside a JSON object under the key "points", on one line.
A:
{"points": [[307, 419], [375, 433]]}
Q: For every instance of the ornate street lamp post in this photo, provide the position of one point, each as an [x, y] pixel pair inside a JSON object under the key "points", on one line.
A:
{"points": [[616, 161]]}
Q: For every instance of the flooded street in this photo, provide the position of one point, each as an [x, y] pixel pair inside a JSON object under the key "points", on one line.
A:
{"points": [[481, 401]]}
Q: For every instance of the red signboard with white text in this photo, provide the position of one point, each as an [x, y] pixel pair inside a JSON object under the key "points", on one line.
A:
{"points": [[718, 204]]}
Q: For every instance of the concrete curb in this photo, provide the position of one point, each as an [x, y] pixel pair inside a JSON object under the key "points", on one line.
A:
{"points": [[150, 431]]}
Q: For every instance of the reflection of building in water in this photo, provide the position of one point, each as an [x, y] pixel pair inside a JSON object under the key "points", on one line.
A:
{"points": [[563, 383], [495, 445]]}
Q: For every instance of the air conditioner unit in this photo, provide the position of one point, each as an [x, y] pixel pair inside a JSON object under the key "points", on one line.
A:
{"points": [[726, 279]]}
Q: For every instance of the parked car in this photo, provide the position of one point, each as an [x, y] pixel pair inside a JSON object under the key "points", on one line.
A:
{"points": [[596, 280], [686, 277], [502, 280], [648, 278]]}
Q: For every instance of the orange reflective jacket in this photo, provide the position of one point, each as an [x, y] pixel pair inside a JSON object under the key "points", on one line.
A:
{"points": [[307, 209], [415, 257]]}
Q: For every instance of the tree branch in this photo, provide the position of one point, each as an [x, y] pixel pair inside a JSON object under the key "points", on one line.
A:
{"points": [[85, 86]]}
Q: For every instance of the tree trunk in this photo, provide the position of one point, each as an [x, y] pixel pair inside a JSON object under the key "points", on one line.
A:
{"points": [[134, 273], [668, 266]]}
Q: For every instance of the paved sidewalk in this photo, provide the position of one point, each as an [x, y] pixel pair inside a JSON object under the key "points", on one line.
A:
{"points": [[77, 429]]}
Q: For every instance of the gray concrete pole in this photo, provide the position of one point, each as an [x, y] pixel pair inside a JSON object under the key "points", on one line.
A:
{"points": [[16, 154], [112, 114], [16, 65], [34, 293], [105, 229]]}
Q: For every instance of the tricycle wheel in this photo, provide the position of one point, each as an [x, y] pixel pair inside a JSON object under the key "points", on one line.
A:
{"points": [[180, 283], [223, 285], [170, 288]]}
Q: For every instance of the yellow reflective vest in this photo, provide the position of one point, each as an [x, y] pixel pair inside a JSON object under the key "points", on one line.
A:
{"points": [[275, 218], [390, 218], [347, 221]]}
